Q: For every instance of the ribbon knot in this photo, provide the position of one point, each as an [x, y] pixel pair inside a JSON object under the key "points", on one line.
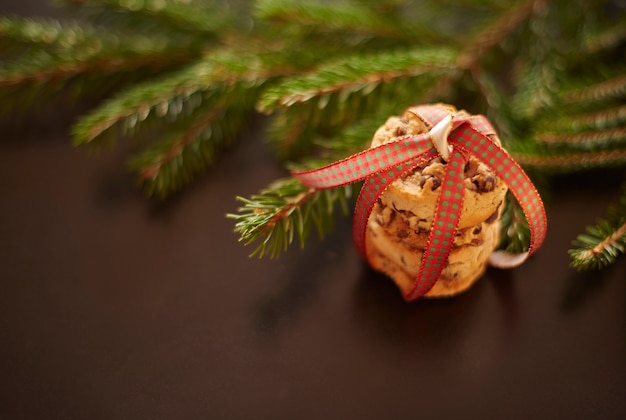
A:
{"points": [[454, 139], [439, 137]]}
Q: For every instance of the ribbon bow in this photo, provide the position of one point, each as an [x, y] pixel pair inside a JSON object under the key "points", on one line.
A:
{"points": [[455, 138]]}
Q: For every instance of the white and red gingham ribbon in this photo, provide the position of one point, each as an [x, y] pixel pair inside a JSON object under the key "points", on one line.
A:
{"points": [[381, 165]]}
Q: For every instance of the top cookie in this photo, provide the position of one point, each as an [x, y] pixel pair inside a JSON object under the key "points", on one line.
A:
{"points": [[417, 191]]}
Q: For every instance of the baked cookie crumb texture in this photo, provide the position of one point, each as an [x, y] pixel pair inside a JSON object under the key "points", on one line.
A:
{"points": [[398, 228]]}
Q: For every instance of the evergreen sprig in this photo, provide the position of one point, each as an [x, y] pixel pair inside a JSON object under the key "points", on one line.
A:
{"points": [[584, 128], [190, 147], [344, 16], [209, 18], [42, 56], [343, 90], [286, 211], [207, 83], [603, 242], [183, 76], [355, 73]]}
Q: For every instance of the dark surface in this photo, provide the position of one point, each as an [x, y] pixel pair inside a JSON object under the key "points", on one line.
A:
{"points": [[113, 306]]}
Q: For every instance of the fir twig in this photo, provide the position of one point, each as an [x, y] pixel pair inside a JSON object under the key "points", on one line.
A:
{"points": [[182, 154], [572, 161], [340, 91], [607, 136], [495, 32], [44, 56], [358, 73], [211, 80], [608, 88], [603, 242], [600, 246], [182, 17], [345, 16], [284, 211], [604, 118], [609, 37]]}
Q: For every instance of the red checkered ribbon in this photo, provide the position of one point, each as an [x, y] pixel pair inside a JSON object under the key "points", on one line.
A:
{"points": [[381, 165]]}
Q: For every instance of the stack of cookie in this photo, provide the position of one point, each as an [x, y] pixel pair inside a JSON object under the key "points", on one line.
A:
{"points": [[397, 231]]}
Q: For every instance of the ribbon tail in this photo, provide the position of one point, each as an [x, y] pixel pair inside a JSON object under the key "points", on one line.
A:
{"points": [[519, 184]]}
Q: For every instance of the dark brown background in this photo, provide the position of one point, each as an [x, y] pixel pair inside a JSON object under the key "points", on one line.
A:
{"points": [[116, 306]]}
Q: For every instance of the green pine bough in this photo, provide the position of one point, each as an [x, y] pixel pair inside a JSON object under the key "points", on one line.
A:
{"points": [[604, 242], [183, 76]]}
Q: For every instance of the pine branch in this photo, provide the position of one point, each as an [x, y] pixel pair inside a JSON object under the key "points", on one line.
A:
{"points": [[359, 73], [183, 153], [603, 242], [21, 35], [586, 139], [597, 121], [186, 17], [342, 143], [538, 76], [496, 31], [338, 93], [585, 126], [499, 109], [200, 110], [344, 16], [284, 211], [41, 69], [208, 81], [607, 37], [81, 47], [600, 247], [60, 56], [590, 94], [347, 141], [489, 38], [601, 119], [545, 160]]}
